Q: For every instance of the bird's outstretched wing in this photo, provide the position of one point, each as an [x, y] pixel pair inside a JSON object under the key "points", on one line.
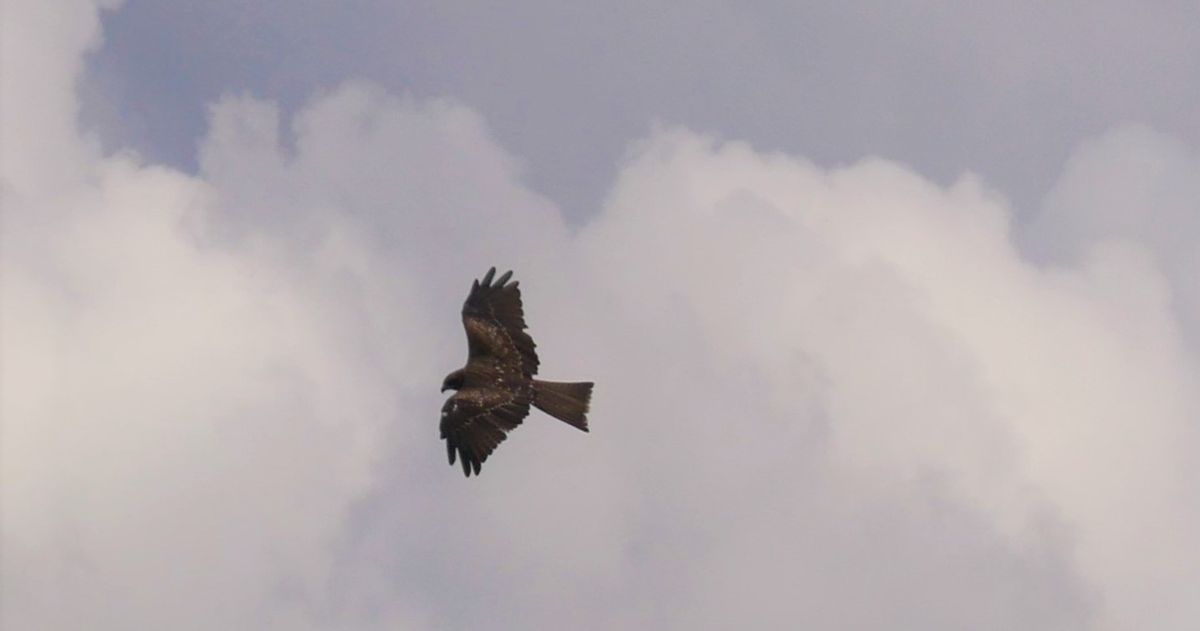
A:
{"points": [[495, 324], [476, 420]]}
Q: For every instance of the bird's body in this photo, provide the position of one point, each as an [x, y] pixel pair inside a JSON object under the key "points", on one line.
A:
{"points": [[496, 387]]}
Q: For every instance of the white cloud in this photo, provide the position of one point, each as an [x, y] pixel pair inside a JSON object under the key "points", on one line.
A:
{"points": [[825, 398], [183, 427], [41, 54], [1137, 186]]}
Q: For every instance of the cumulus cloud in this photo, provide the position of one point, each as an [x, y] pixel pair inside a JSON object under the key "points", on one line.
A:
{"points": [[1137, 186], [841, 398]]}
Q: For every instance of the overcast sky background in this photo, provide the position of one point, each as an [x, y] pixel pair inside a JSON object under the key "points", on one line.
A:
{"points": [[893, 310]]}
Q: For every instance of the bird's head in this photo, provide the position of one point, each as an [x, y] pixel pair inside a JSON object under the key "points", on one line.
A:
{"points": [[454, 380]]}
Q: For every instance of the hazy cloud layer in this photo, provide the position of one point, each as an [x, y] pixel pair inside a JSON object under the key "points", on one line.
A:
{"points": [[832, 398]]}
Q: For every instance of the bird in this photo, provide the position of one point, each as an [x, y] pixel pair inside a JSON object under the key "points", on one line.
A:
{"points": [[495, 388]]}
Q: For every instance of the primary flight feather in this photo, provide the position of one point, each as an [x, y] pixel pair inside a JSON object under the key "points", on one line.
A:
{"points": [[494, 390]]}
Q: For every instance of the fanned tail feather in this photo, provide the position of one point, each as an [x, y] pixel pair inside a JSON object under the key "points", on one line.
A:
{"points": [[567, 402]]}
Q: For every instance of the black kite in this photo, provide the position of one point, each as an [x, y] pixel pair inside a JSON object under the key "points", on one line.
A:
{"points": [[496, 387]]}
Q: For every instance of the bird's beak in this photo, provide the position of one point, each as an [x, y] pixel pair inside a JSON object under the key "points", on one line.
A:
{"points": [[445, 387]]}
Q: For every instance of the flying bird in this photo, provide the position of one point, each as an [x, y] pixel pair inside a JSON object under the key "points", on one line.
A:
{"points": [[494, 390]]}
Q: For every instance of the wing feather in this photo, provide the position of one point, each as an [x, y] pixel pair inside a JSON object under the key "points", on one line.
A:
{"points": [[494, 319], [476, 420]]}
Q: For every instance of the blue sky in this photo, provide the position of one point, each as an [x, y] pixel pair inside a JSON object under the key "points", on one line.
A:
{"points": [[1005, 90], [893, 311]]}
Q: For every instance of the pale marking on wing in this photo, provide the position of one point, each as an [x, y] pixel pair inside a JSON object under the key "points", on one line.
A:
{"points": [[511, 343], [488, 411]]}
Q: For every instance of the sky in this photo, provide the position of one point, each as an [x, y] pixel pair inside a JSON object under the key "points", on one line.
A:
{"points": [[893, 311]]}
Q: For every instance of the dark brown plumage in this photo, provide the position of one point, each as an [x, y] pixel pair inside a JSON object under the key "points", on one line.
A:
{"points": [[496, 387]]}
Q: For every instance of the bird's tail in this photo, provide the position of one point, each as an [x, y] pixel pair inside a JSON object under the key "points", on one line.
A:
{"points": [[567, 402]]}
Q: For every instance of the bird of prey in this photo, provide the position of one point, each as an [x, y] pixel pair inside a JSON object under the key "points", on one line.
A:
{"points": [[496, 387]]}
